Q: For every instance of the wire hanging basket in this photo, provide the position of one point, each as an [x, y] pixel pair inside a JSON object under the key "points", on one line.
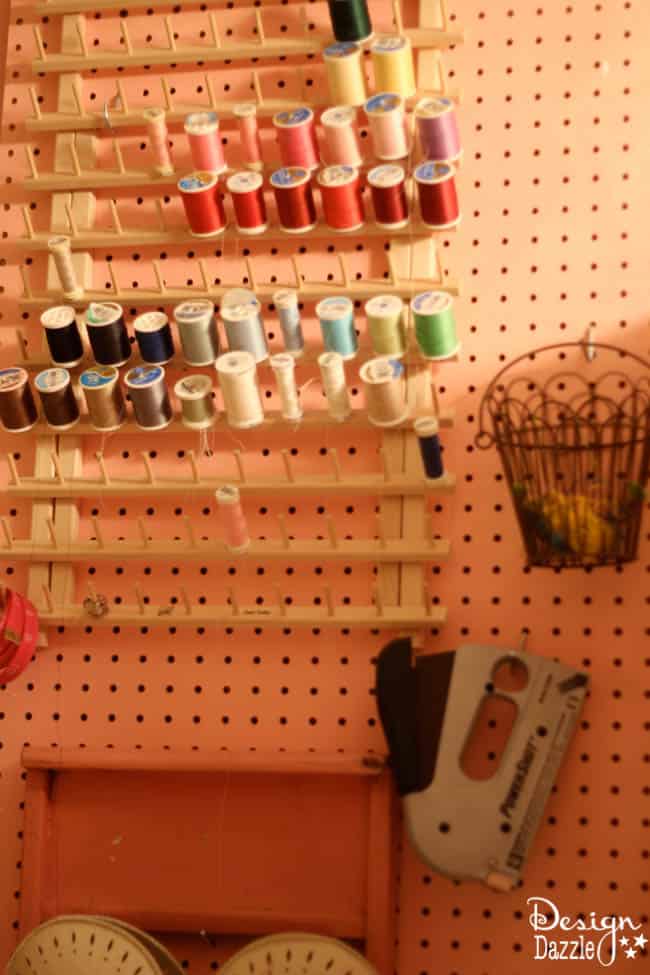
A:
{"points": [[571, 423]]}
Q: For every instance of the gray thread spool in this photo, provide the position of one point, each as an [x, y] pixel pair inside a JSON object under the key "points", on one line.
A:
{"points": [[242, 319], [148, 392], [197, 405], [286, 303], [197, 329]]}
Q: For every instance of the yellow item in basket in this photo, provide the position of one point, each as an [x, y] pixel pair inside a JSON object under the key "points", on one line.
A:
{"points": [[572, 517]]}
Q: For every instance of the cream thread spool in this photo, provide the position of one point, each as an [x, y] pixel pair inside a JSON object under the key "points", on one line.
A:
{"points": [[249, 134], [342, 146], [385, 315], [332, 370], [345, 77], [194, 393], [59, 248], [286, 304], [233, 518], [392, 61], [283, 366], [383, 386], [159, 140], [240, 389]]}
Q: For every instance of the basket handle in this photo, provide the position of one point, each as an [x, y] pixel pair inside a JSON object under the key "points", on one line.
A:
{"points": [[485, 438]]}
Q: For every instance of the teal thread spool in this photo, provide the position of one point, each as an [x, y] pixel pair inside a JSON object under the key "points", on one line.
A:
{"points": [[435, 325], [385, 315], [336, 317]]}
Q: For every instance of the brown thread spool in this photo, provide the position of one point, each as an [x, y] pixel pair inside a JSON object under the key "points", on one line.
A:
{"points": [[104, 397], [57, 398], [59, 248], [383, 385], [18, 411]]}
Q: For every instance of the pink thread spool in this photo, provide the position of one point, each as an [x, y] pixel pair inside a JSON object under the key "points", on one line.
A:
{"points": [[249, 134], [202, 130], [438, 129], [296, 135], [387, 126], [341, 137], [159, 139], [233, 520]]}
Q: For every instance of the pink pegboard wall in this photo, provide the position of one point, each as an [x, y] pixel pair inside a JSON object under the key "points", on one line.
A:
{"points": [[554, 199]]}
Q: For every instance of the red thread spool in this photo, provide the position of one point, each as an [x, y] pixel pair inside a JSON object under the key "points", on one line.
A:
{"points": [[389, 196], [296, 135], [437, 194], [203, 204], [247, 191], [340, 190], [294, 199]]}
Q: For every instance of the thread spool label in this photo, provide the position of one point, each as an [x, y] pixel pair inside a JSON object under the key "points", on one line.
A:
{"points": [[343, 49], [433, 172], [193, 387], [58, 317], [235, 363], [151, 321], [383, 45], [298, 116], [432, 107], [245, 182], [245, 110], [199, 122], [51, 380], [383, 104], [342, 115], [431, 302], [141, 376], [384, 306], [386, 175], [285, 299], [382, 370], [12, 378], [332, 309], [337, 175], [98, 377], [283, 362], [192, 311], [103, 313], [289, 176], [196, 182]]}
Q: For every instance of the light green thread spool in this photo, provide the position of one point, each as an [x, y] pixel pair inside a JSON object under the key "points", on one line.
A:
{"points": [[385, 315], [435, 325]]}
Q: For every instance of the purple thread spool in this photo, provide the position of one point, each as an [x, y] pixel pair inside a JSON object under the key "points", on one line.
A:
{"points": [[438, 129], [426, 428]]}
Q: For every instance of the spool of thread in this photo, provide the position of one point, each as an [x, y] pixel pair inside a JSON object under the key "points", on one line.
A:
{"points": [[387, 125], [296, 135], [109, 339], [341, 137], [350, 20], [392, 61], [437, 128], [202, 130], [148, 391], [201, 195], [388, 188], [154, 337], [242, 319], [197, 329], [286, 303], [62, 334], [294, 199], [435, 324], [159, 139], [58, 400], [383, 385], [336, 317], [249, 134], [340, 191], [194, 393], [426, 428], [18, 411], [247, 192], [345, 77], [284, 366], [240, 389], [385, 315], [233, 520], [59, 248], [437, 195], [104, 397], [332, 371]]}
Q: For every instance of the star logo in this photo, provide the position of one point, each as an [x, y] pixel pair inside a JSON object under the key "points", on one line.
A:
{"points": [[623, 942], [630, 953], [640, 941]]}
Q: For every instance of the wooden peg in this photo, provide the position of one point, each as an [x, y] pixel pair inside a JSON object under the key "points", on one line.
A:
{"points": [[286, 460], [160, 281], [393, 276], [98, 533], [92, 592], [161, 214], [51, 532], [286, 541], [139, 599], [397, 17], [29, 152], [257, 88], [426, 596], [118, 157], [80, 23], [171, 40], [14, 477], [384, 463], [167, 95], [296, 271], [191, 456], [434, 395], [304, 18], [216, 37], [125, 36], [58, 471], [378, 600], [329, 601], [29, 226], [185, 599], [209, 87], [345, 277], [111, 274], [261, 36], [76, 94], [251, 274], [6, 531], [204, 274], [21, 342], [124, 105], [27, 287], [38, 37], [333, 455], [146, 460], [189, 528], [74, 155], [101, 463], [239, 461], [47, 598], [282, 606], [117, 223], [331, 531], [72, 223], [144, 538], [439, 275], [381, 532], [34, 100], [444, 12], [233, 601]]}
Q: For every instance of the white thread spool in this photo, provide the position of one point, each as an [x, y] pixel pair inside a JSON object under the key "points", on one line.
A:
{"points": [[59, 248], [332, 372], [284, 366], [383, 385], [240, 389]]}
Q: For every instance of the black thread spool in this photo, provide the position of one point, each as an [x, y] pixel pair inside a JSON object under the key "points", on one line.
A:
{"points": [[57, 398], [107, 333], [149, 395], [18, 411], [426, 428], [62, 334]]}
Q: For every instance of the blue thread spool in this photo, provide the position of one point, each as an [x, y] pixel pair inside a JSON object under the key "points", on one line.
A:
{"points": [[336, 317], [154, 337], [426, 429]]}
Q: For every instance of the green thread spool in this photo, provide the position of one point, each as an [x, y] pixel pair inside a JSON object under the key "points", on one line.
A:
{"points": [[435, 325], [385, 315], [350, 20]]}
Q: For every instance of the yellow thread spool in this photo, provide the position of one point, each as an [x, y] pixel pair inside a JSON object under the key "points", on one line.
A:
{"points": [[392, 61], [345, 77]]}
